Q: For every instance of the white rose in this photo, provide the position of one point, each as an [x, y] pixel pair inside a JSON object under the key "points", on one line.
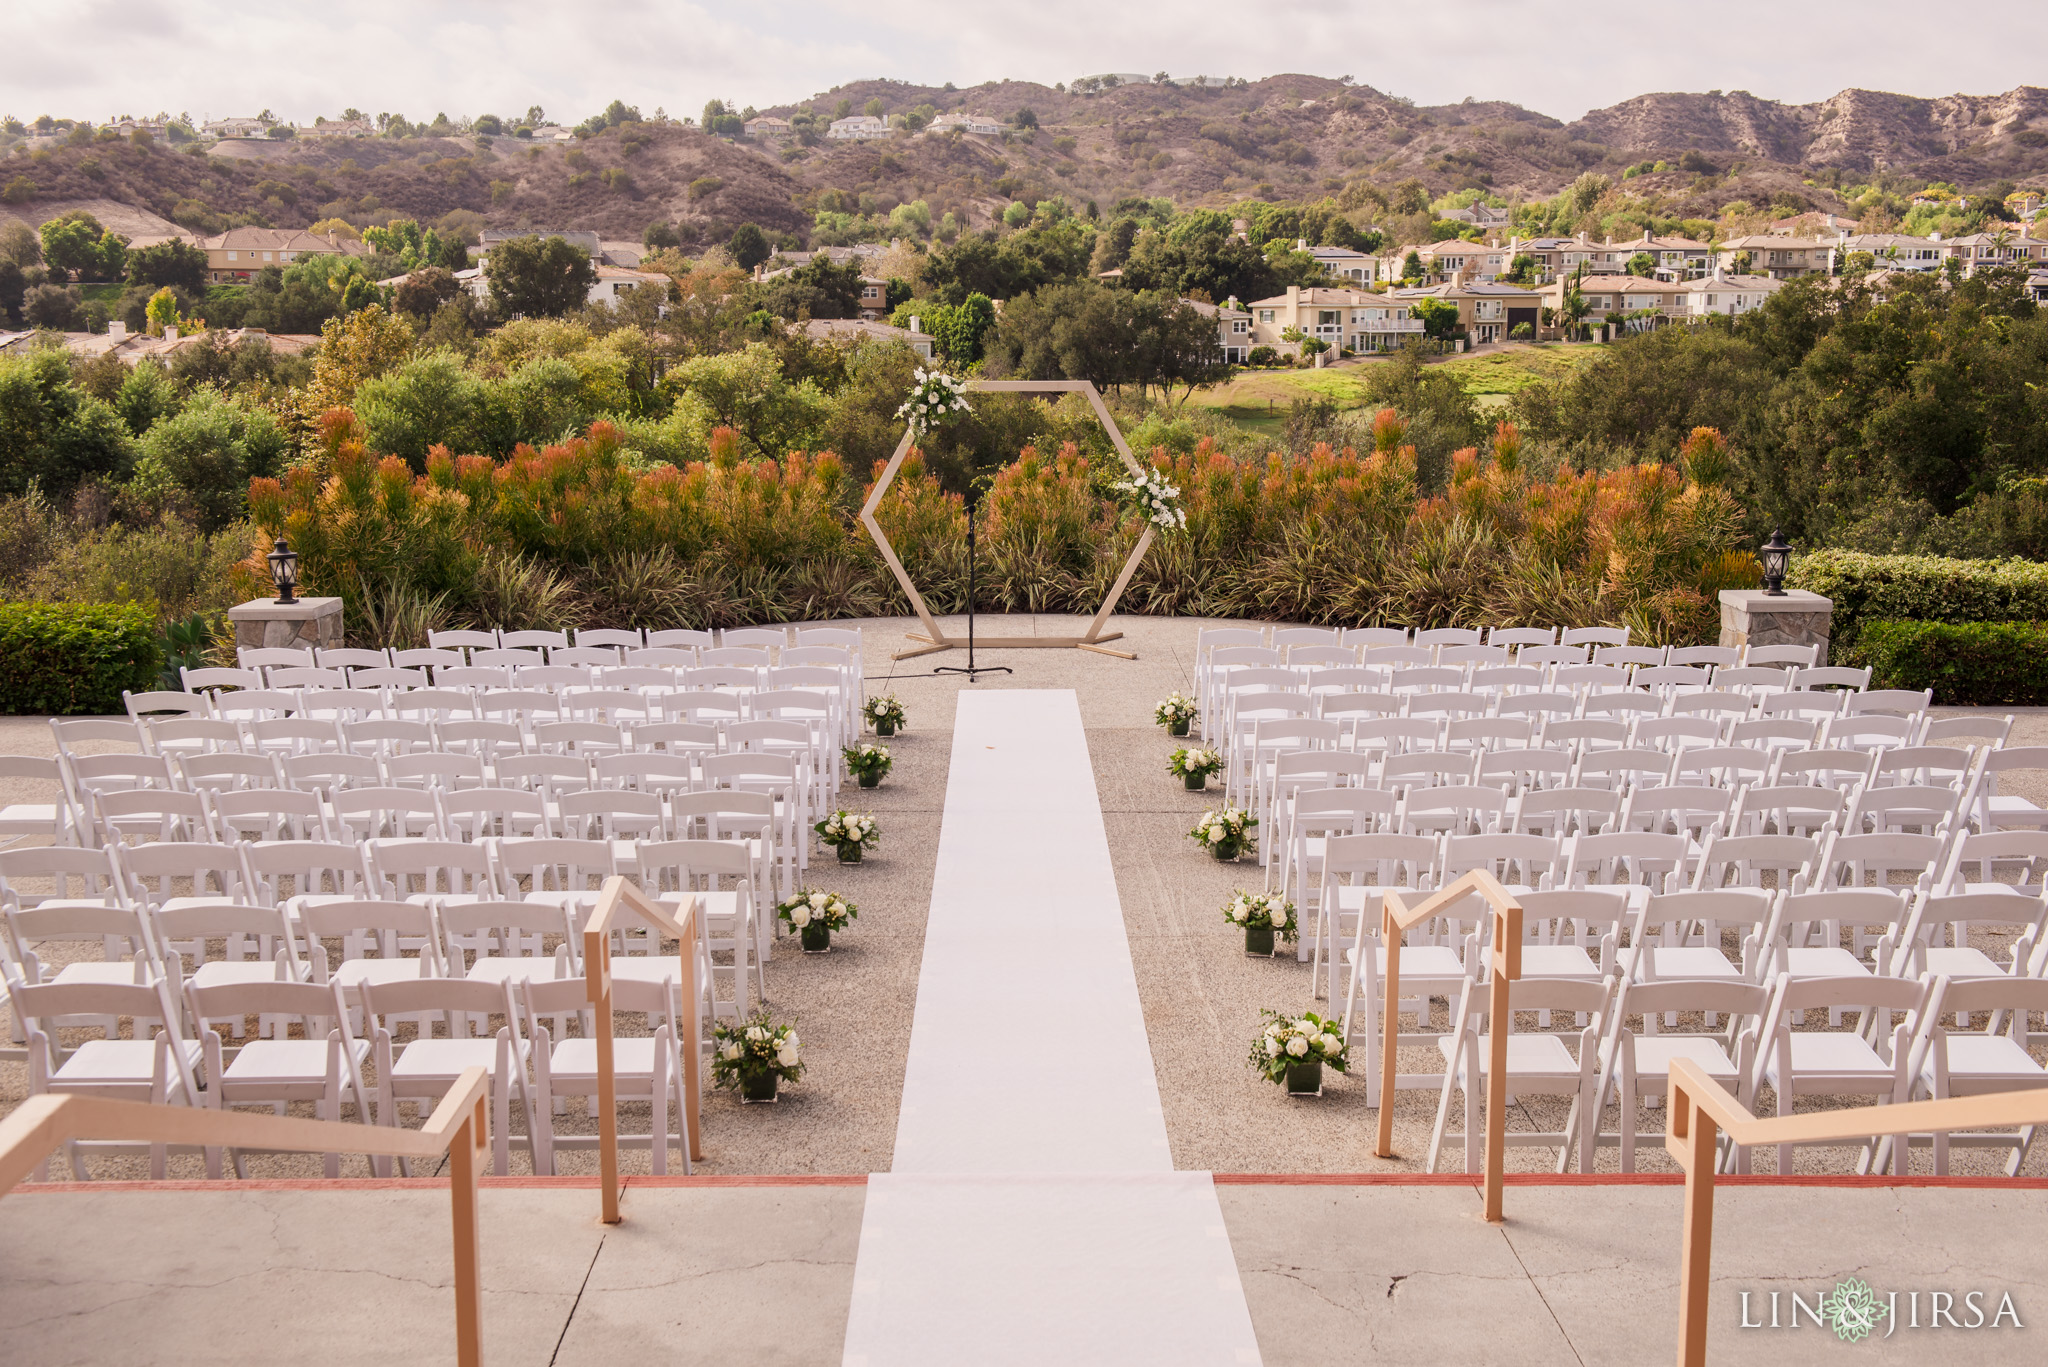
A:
{"points": [[800, 918], [786, 1057], [1307, 1027], [1236, 913], [789, 1038], [1216, 835], [818, 899], [756, 1034], [731, 1051], [1330, 1044], [1297, 1047], [1272, 1047]]}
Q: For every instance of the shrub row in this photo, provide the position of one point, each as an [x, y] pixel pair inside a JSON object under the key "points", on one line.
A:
{"points": [[68, 658], [1967, 664], [1921, 588]]}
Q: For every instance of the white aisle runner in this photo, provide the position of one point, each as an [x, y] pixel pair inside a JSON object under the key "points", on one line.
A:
{"points": [[1033, 1215]]}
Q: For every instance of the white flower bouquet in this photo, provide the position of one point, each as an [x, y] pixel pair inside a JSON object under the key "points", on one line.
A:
{"points": [[1193, 766], [1291, 1050], [814, 914], [1175, 714], [1154, 499], [754, 1056], [885, 714], [935, 397], [867, 763], [1226, 834], [1262, 916], [848, 834]]}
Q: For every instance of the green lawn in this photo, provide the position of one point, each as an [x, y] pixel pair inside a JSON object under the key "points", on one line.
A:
{"points": [[108, 292], [1259, 399]]}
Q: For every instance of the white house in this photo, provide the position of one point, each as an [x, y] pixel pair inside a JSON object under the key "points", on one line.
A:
{"points": [[859, 128], [1724, 293], [1233, 327], [1342, 262], [854, 330], [966, 123], [237, 128]]}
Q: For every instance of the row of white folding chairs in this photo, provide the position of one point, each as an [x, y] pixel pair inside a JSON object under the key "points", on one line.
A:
{"points": [[613, 639], [1700, 661], [666, 671], [248, 719], [539, 1063], [1898, 1050], [557, 756], [375, 898], [1373, 735]]}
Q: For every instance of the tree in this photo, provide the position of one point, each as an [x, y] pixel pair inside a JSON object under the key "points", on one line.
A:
{"points": [[168, 263], [71, 245], [1642, 264], [54, 306], [488, 125], [355, 349], [162, 313], [424, 291], [1411, 266], [52, 433], [874, 108], [819, 289], [539, 277], [1439, 317], [208, 452], [1113, 337], [19, 244], [722, 120], [428, 401], [13, 289], [1025, 118], [660, 236], [749, 246]]}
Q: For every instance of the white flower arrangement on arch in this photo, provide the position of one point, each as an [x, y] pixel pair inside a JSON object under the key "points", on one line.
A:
{"points": [[1157, 501], [935, 398]]}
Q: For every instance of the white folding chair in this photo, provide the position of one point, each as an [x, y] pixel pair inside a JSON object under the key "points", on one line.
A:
{"points": [[1539, 1063]]}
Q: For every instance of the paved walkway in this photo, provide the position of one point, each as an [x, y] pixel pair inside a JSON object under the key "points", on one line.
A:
{"points": [[1032, 1214]]}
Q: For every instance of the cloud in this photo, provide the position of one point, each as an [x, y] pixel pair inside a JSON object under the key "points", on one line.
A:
{"points": [[428, 56]]}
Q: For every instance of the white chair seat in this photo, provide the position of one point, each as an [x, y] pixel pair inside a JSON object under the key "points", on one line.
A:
{"points": [[1824, 961], [1689, 961], [647, 968], [2009, 809], [533, 967], [1654, 1054], [1825, 1060], [1979, 1063], [222, 973], [273, 1061], [103, 1062], [442, 1060], [28, 818], [1532, 1058], [574, 1061], [95, 971], [180, 903], [1962, 962], [353, 973], [1558, 961], [1418, 962]]}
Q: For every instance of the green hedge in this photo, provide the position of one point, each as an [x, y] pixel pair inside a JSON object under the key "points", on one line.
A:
{"points": [[1967, 664], [1920, 588], [63, 658]]}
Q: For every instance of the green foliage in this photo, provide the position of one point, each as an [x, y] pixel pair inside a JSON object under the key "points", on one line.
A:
{"points": [[818, 289], [52, 433], [1004, 266], [1923, 588], [749, 246], [64, 659], [168, 263], [1111, 336], [1439, 317], [207, 453], [1967, 664], [541, 277]]}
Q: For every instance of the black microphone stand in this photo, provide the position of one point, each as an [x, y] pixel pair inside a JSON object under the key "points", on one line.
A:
{"points": [[972, 669]]}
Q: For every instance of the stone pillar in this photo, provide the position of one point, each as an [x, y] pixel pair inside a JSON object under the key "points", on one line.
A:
{"points": [[308, 623], [1751, 617]]}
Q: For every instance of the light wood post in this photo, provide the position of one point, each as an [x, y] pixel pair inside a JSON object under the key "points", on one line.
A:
{"points": [[1390, 1012], [465, 1160], [1505, 962], [1694, 1130], [618, 897]]}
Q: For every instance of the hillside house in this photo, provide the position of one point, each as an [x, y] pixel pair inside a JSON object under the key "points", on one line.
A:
{"points": [[858, 128], [1610, 292], [236, 128], [340, 128], [239, 253], [1356, 320], [967, 123], [768, 128], [1233, 327], [1479, 216], [1721, 293], [1781, 258], [1487, 310], [1342, 262], [1891, 251], [851, 331]]}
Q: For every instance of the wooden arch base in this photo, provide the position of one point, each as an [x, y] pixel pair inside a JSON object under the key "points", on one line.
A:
{"points": [[933, 637]]}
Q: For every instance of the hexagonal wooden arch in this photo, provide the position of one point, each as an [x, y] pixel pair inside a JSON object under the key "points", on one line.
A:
{"points": [[933, 636]]}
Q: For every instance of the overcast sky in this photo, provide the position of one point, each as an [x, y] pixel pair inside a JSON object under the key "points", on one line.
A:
{"points": [[98, 58]]}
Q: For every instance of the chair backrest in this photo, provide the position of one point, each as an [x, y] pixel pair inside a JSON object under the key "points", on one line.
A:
{"points": [[351, 657], [1801, 733], [1565, 809], [206, 680], [1623, 656], [551, 677], [1801, 657], [317, 868], [1895, 702], [427, 658], [1981, 725], [610, 637], [267, 813], [1449, 636], [440, 868], [1539, 705], [308, 676], [1713, 656], [455, 1000], [1792, 860], [555, 864], [482, 813], [1521, 636], [759, 638], [319, 1006], [1374, 636], [1881, 855], [164, 704], [532, 640], [612, 814], [681, 636], [1594, 636], [1382, 860], [584, 657], [1505, 678], [1398, 655], [152, 871], [826, 636], [736, 657], [268, 657], [1620, 857], [1512, 859], [1545, 657], [677, 866], [397, 813], [1589, 733], [1495, 656]]}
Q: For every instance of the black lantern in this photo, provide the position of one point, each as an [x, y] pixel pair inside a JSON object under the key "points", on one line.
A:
{"points": [[284, 568], [1776, 555]]}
